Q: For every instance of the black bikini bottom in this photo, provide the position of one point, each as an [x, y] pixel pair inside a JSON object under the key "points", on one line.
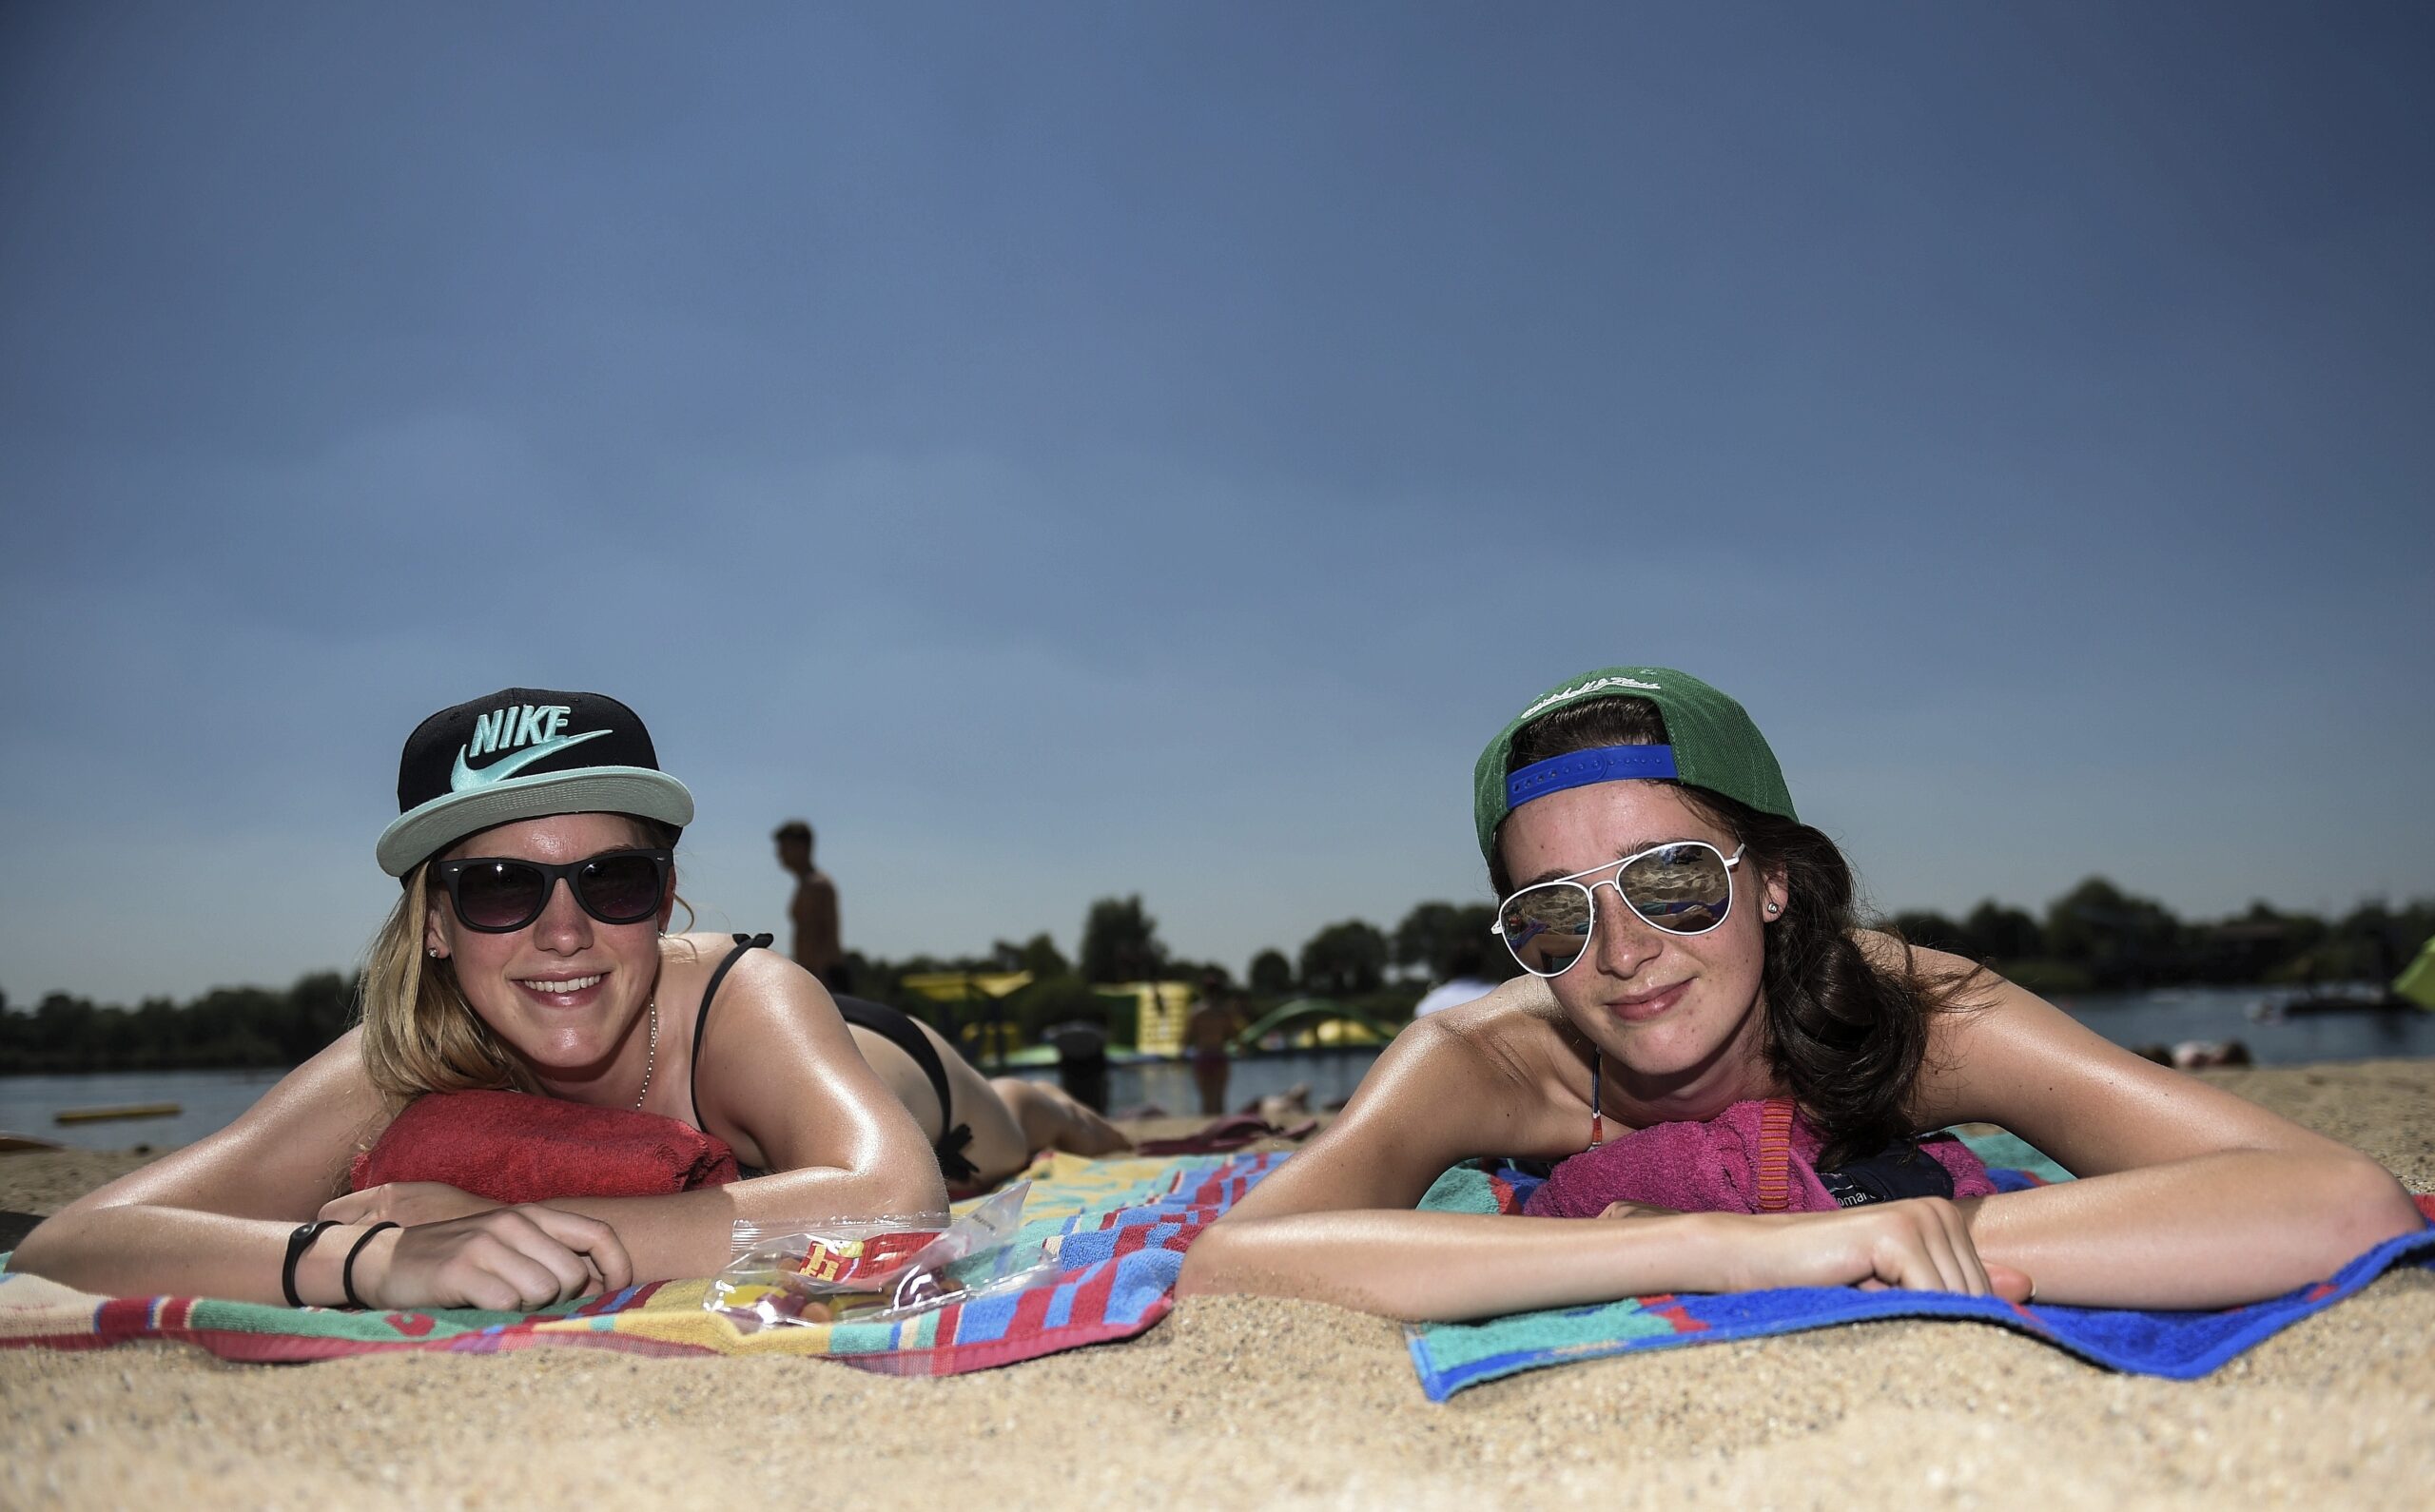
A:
{"points": [[893, 1026]]}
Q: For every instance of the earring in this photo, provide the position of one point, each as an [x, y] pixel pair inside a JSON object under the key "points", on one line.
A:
{"points": [[434, 951], [1775, 908]]}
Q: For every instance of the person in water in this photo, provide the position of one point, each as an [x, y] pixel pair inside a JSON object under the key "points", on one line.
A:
{"points": [[527, 951], [1690, 949]]}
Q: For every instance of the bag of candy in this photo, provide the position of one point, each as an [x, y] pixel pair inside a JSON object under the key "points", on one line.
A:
{"points": [[873, 1271]]}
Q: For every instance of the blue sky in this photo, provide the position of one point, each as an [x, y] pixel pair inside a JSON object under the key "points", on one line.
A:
{"points": [[1070, 450]]}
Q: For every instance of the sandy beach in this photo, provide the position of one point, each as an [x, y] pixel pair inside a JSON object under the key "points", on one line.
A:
{"points": [[1235, 1402]]}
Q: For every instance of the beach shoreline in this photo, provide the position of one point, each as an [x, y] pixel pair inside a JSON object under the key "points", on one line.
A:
{"points": [[1233, 1401]]}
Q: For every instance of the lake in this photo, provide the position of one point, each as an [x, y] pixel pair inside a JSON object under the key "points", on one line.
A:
{"points": [[212, 1099]]}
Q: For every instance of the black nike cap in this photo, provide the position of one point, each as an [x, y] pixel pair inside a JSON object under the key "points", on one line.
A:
{"points": [[523, 753]]}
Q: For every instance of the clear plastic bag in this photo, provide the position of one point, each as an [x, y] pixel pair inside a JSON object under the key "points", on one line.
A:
{"points": [[875, 1271]]}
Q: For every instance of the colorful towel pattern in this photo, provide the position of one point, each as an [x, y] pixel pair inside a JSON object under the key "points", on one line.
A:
{"points": [[1120, 1224], [1121, 1227], [1451, 1356]]}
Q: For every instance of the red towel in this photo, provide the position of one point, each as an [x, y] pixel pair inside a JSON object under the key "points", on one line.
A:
{"points": [[514, 1147], [1743, 1160]]}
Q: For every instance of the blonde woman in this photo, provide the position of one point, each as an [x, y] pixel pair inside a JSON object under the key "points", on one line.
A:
{"points": [[534, 847]]}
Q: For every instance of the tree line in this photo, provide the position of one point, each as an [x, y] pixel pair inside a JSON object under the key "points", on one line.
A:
{"points": [[2094, 938], [2098, 938]]}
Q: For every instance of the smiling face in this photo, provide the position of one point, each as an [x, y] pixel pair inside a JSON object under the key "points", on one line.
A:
{"points": [[1675, 1015], [567, 993]]}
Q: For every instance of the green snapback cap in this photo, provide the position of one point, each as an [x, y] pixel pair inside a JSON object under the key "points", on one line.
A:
{"points": [[1713, 746]]}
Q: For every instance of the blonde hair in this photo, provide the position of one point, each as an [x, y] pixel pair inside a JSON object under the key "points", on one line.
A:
{"points": [[419, 1034]]}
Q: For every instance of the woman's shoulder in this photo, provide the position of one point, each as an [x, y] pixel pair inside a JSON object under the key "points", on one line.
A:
{"points": [[1517, 1029], [1890, 951], [698, 953], [704, 947], [759, 980], [1989, 1037]]}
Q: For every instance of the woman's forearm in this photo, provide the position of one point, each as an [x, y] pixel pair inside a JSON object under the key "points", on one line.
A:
{"points": [[137, 1250], [1444, 1267], [2211, 1231]]}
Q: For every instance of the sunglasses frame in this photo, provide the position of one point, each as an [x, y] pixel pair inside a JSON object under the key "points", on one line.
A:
{"points": [[1589, 891], [451, 875]]}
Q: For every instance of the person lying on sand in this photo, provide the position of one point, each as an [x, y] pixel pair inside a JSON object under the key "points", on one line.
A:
{"points": [[1689, 947], [535, 847]]}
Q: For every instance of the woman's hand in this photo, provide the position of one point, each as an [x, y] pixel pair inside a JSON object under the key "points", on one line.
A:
{"points": [[405, 1203], [1919, 1245], [507, 1260]]}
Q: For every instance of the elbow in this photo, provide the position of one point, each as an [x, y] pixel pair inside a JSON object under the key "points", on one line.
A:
{"points": [[1207, 1265], [907, 1192], [2369, 1206], [929, 1196], [26, 1258], [48, 1249], [911, 1187]]}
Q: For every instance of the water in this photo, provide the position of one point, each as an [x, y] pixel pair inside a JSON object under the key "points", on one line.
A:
{"points": [[1330, 1074], [2171, 1015], [212, 1099]]}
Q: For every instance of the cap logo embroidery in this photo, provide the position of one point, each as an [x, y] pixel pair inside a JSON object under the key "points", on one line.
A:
{"points": [[532, 727], [1595, 685]]}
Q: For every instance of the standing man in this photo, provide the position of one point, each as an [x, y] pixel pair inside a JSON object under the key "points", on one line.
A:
{"points": [[819, 942], [1213, 1020]]}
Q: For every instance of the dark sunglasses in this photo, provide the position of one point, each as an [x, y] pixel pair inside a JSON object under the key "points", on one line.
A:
{"points": [[498, 896]]}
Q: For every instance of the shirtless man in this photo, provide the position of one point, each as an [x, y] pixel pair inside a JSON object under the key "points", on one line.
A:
{"points": [[1215, 1020], [819, 946]]}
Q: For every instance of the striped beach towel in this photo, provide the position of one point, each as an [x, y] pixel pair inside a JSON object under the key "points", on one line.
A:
{"points": [[2181, 1346], [1120, 1229]]}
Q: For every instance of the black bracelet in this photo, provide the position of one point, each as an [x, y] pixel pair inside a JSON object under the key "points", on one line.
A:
{"points": [[346, 1272], [297, 1243]]}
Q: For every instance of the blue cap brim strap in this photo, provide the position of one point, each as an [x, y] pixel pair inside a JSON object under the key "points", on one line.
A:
{"points": [[1605, 763]]}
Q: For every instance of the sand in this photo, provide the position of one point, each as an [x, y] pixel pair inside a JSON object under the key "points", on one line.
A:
{"points": [[1234, 1402]]}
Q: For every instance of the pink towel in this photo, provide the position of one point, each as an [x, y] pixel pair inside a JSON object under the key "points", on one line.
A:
{"points": [[1753, 1157], [513, 1147]]}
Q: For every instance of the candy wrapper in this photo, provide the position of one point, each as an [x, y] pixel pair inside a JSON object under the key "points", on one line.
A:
{"points": [[873, 1271]]}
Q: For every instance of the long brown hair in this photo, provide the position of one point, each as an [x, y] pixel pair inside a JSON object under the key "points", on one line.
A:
{"points": [[1847, 1037]]}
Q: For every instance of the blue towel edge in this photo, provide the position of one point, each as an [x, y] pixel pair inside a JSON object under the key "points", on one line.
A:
{"points": [[1841, 1305]]}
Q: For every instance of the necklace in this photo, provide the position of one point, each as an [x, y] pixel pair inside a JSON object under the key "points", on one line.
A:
{"points": [[650, 1059]]}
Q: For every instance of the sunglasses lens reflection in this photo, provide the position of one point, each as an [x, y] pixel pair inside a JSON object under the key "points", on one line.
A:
{"points": [[1547, 926], [498, 895], [619, 889], [1684, 889]]}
